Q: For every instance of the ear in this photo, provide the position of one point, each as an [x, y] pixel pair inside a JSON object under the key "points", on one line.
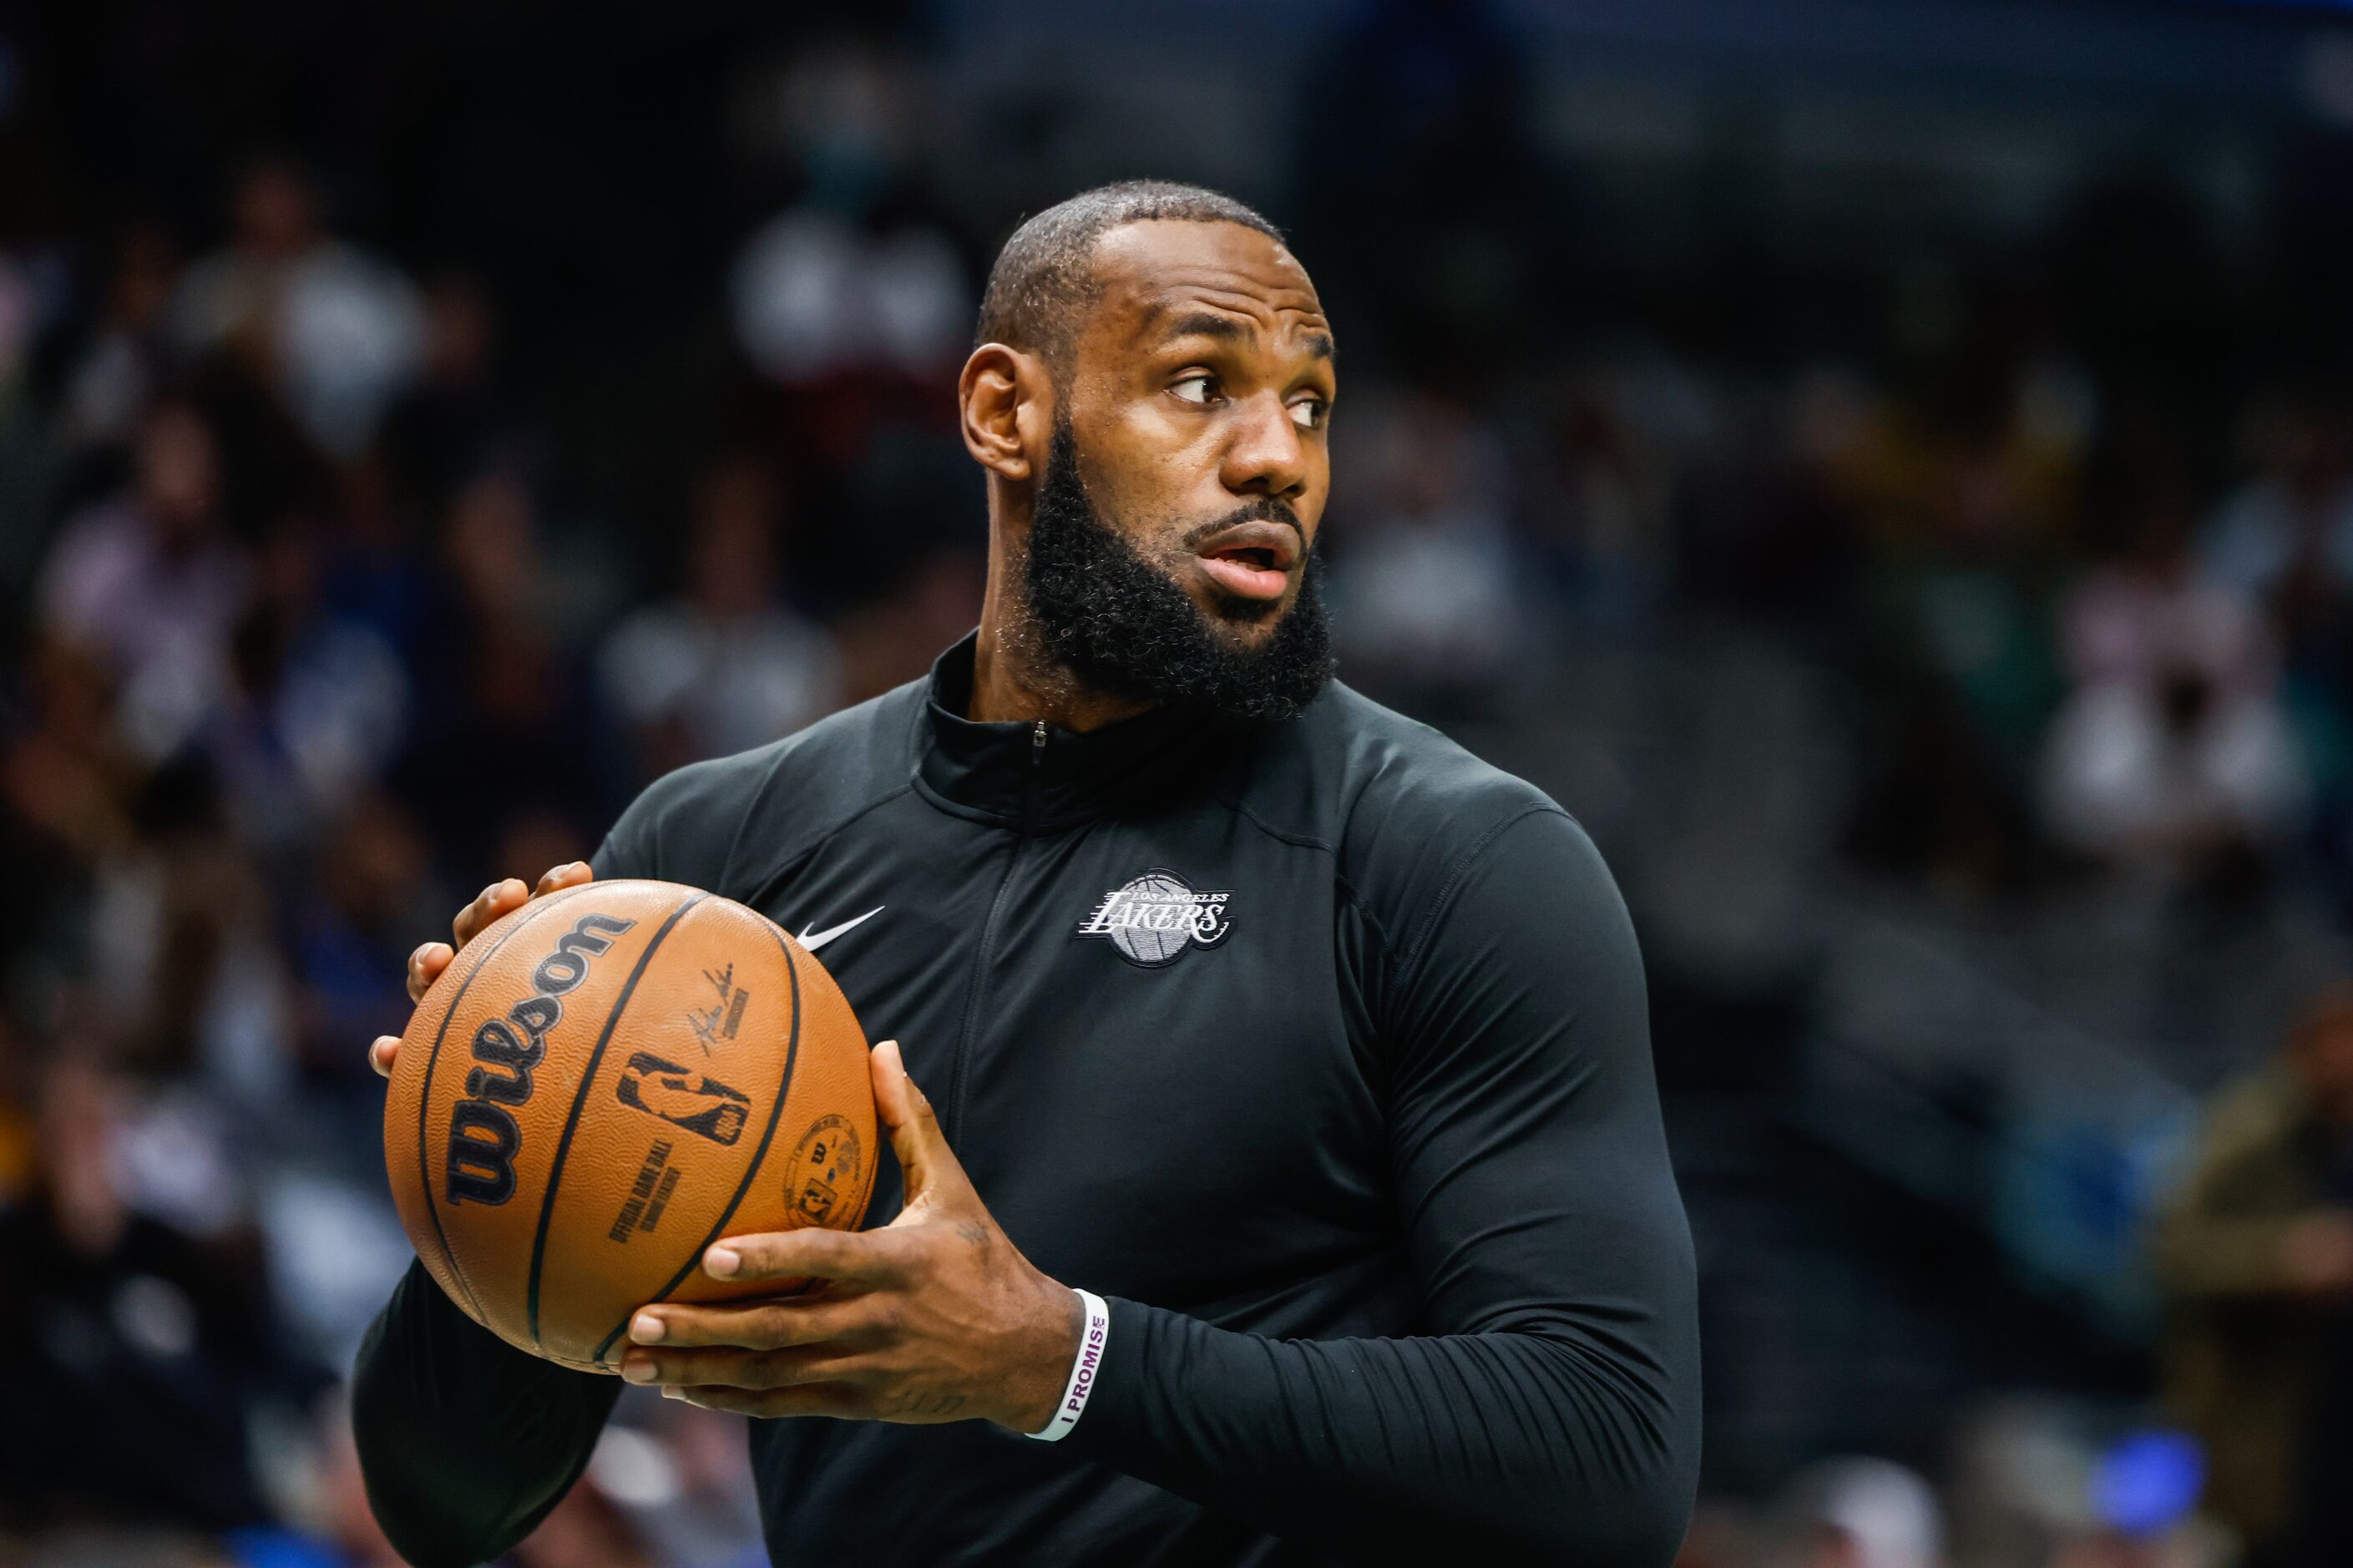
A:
{"points": [[1006, 401]]}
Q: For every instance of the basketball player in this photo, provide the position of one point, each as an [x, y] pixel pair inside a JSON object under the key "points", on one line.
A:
{"points": [[1291, 1186]]}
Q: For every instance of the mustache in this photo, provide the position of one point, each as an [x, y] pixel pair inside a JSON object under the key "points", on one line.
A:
{"points": [[1258, 509]]}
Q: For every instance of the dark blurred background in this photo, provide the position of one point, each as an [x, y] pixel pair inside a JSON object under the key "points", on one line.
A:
{"points": [[1885, 465]]}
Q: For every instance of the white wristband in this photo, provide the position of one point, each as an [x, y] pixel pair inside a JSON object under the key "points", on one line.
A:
{"points": [[1083, 1367]]}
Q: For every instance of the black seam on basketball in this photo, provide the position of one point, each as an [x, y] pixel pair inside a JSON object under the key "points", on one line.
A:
{"points": [[759, 1156], [425, 1111], [579, 1103]]}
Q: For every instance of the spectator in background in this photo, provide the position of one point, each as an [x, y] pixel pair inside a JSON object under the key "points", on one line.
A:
{"points": [[505, 748], [317, 706], [1963, 501], [2295, 515], [350, 938], [2255, 1254], [853, 277], [143, 1352], [128, 354], [147, 583], [1859, 1513], [894, 639], [725, 664], [2172, 749], [2285, 536], [817, 291], [587, 1530], [337, 330], [63, 779], [1424, 193], [181, 963], [454, 422], [1426, 598], [1599, 512]]}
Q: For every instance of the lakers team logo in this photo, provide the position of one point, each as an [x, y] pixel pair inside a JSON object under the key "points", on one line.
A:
{"points": [[1154, 919]]}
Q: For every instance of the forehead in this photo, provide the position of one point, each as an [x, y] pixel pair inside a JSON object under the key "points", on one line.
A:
{"points": [[1151, 273]]}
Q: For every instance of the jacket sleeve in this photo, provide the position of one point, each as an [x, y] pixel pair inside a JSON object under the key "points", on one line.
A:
{"points": [[1552, 1413], [465, 1442]]}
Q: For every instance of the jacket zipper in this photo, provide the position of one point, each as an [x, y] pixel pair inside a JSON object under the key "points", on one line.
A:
{"points": [[953, 1123]]}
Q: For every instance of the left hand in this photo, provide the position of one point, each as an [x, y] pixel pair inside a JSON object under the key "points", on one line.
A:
{"points": [[936, 1317]]}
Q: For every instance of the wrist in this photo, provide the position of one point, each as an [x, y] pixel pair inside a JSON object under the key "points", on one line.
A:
{"points": [[1086, 1363], [1044, 1365]]}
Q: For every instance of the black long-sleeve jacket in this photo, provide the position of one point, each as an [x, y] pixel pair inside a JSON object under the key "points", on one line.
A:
{"points": [[1319, 1047]]}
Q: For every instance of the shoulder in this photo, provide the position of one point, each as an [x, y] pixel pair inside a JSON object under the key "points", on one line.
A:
{"points": [[1404, 809], [728, 823]]}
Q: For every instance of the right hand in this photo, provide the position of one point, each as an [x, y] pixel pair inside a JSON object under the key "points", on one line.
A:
{"points": [[426, 964]]}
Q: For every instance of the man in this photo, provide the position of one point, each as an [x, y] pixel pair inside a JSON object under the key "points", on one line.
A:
{"points": [[1307, 1184], [2256, 1256]]}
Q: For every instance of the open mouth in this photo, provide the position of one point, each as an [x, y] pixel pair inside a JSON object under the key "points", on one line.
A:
{"points": [[1253, 560]]}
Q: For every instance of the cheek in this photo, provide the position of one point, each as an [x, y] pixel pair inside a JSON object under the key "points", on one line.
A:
{"points": [[1152, 499]]}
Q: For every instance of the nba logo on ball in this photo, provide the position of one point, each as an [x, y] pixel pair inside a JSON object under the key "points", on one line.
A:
{"points": [[1154, 919]]}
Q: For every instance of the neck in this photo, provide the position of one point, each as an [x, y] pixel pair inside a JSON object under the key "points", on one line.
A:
{"points": [[1013, 681]]}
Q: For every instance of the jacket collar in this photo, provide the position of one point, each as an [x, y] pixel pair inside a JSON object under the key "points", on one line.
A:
{"points": [[1041, 777]]}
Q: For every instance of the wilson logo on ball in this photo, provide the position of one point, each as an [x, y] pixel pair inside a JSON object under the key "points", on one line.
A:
{"points": [[483, 1140], [1154, 919]]}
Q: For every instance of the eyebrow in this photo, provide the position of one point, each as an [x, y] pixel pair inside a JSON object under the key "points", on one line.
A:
{"points": [[1225, 329]]}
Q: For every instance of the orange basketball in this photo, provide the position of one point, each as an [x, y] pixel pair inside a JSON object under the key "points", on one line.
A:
{"points": [[600, 1086]]}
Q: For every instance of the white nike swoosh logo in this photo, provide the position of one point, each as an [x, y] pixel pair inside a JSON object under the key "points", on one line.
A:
{"points": [[813, 940]]}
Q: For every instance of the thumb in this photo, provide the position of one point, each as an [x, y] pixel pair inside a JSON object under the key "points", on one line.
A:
{"points": [[929, 1167]]}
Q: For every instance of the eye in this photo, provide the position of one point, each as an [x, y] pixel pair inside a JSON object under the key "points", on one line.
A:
{"points": [[1309, 413], [1193, 388]]}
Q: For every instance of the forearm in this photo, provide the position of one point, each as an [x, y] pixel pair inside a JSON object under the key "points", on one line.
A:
{"points": [[1498, 1446], [465, 1442]]}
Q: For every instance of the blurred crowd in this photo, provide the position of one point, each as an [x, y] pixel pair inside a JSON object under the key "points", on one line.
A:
{"points": [[351, 557]]}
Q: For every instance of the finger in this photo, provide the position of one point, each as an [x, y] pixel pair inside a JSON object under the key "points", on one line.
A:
{"points": [[425, 966], [865, 1259], [713, 1368], [756, 1325], [927, 1164], [381, 1053], [494, 900], [570, 875]]}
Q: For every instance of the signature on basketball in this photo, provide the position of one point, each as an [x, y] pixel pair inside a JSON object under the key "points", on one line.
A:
{"points": [[724, 1017]]}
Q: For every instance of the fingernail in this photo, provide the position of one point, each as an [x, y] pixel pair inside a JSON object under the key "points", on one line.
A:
{"points": [[673, 1392], [645, 1328], [637, 1370], [898, 1057], [721, 1262]]}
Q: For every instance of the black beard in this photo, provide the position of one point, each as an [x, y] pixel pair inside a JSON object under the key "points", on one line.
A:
{"points": [[1125, 628]]}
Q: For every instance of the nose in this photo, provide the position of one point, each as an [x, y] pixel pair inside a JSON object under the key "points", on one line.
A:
{"points": [[1266, 456]]}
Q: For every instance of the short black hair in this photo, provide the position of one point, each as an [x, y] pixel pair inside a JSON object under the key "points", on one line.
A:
{"points": [[1044, 280]]}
